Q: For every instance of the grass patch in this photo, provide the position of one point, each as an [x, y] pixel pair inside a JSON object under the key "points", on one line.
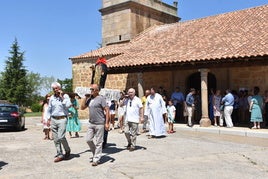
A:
{"points": [[33, 114]]}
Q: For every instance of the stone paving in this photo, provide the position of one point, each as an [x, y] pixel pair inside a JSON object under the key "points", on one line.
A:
{"points": [[189, 153]]}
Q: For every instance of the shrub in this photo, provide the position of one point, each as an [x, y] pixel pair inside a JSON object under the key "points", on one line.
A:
{"points": [[36, 107]]}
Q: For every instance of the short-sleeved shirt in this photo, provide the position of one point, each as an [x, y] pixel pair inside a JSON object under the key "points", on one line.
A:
{"points": [[96, 110], [189, 99], [228, 100], [133, 109]]}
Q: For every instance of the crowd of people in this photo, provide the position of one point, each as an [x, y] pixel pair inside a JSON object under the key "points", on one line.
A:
{"points": [[231, 108], [153, 110]]}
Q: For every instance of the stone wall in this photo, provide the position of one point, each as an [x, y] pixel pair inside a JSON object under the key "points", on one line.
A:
{"points": [[233, 78], [116, 27], [248, 77], [82, 74]]}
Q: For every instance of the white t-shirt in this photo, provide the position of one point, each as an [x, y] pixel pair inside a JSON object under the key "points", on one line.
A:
{"points": [[171, 111], [132, 109]]}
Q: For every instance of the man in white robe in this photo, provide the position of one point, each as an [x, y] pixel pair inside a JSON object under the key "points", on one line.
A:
{"points": [[156, 110]]}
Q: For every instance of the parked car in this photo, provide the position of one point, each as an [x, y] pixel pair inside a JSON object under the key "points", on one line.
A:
{"points": [[11, 116]]}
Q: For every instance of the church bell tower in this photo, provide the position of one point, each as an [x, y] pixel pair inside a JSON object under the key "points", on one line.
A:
{"points": [[122, 20]]}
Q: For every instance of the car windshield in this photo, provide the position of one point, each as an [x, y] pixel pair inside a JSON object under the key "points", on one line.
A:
{"points": [[7, 109]]}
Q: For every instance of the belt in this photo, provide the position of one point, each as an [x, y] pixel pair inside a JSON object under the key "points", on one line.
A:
{"points": [[59, 117]]}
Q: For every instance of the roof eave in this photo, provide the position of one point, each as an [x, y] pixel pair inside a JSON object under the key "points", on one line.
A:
{"points": [[194, 64]]}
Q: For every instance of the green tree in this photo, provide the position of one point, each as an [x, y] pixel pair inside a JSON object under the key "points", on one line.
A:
{"points": [[46, 84], [34, 88], [66, 84], [14, 80]]}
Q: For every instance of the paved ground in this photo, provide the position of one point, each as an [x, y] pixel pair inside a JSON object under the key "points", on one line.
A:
{"points": [[188, 153]]}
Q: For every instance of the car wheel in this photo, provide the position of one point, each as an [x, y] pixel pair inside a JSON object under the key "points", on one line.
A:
{"points": [[18, 127], [23, 126]]}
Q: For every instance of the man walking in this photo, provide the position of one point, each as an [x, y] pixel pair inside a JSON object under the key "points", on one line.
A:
{"points": [[57, 115], [98, 122], [134, 115], [156, 111]]}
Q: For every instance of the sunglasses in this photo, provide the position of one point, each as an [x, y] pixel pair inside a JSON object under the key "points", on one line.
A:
{"points": [[130, 103]]}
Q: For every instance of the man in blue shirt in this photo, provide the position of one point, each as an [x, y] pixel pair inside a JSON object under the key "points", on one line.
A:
{"points": [[177, 98], [228, 101], [190, 106], [57, 115]]}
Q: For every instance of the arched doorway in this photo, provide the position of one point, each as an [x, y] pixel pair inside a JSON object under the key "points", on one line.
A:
{"points": [[194, 81]]}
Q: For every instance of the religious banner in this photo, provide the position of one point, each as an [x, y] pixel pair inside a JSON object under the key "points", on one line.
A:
{"points": [[109, 94], [82, 91]]}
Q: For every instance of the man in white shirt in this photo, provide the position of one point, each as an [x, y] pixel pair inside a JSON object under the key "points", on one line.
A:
{"points": [[134, 115]]}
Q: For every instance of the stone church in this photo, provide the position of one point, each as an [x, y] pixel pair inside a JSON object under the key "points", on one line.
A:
{"points": [[146, 46]]}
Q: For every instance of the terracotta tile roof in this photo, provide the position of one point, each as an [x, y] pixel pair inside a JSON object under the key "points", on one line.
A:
{"points": [[230, 35], [110, 50]]}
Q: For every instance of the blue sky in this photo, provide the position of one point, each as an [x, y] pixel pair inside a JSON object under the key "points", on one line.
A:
{"points": [[51, 31]]}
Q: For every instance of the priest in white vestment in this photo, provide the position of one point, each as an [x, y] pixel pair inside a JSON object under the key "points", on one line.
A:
{"points": [[156, 110]]}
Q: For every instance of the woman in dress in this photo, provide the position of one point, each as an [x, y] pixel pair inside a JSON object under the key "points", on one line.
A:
{"points": [[73, 124], [216, 107], [256, 114], [46, 128], [121, 111], [256, 108]]}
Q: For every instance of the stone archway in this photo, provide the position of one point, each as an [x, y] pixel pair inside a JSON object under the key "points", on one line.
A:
{"points": [[194, 79], [202, 102]]}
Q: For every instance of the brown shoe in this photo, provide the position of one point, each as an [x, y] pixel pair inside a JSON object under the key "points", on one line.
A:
{"points": [[128, 146], [58, 159], [94, 164], [131, 149]]}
